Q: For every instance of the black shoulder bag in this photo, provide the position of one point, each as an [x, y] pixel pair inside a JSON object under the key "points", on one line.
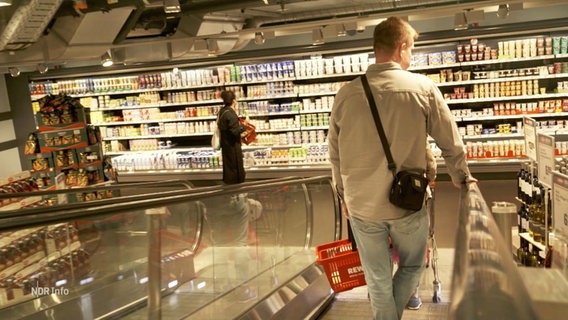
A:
{"points": [[408, 188]]}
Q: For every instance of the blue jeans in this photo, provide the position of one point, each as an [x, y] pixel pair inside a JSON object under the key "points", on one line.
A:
{"points": [[389, 293]]}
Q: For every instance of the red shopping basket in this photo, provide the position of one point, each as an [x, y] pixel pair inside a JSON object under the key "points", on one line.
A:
{"points": [[342, 266]]}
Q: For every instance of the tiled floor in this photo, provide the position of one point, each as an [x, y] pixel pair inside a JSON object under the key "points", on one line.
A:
{"points": [[353, 304]]}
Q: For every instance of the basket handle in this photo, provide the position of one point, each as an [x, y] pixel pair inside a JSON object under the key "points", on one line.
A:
{"points": [[351, 237]]}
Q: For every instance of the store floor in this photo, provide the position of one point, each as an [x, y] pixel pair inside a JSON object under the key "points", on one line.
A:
{"points": [[354, 304]]}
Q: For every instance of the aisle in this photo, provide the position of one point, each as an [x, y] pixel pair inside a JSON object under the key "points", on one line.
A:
{"points": [[354, 305]]}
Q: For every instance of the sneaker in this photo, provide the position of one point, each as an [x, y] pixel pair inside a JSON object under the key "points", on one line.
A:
{"points": [[414, 303]]}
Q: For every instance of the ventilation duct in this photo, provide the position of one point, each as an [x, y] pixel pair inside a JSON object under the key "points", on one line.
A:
{"points": [[27, 24]]}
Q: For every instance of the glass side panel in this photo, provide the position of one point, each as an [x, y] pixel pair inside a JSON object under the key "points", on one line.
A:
{"points": [[245, 235], [486, 283], [55, 264], [218, 255]]}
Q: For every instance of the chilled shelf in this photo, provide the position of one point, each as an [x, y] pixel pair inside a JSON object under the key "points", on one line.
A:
{"points": [[159, 136], [124, 123], [505, 79], [514, 116], [509, 98]]}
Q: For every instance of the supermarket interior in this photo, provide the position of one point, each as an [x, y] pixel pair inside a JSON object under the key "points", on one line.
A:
{"points": [[111, 197]]}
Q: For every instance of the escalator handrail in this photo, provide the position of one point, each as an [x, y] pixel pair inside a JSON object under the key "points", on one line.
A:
{"points": [[94, 209], [115, 200], [482, 259], [108, 185]]}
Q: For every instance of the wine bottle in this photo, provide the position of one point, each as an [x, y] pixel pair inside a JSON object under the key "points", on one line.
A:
{"points": [[520, 182]]}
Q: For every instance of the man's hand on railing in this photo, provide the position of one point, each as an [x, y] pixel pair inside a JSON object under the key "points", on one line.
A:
{"points": [[468, 180], [344, 210]]}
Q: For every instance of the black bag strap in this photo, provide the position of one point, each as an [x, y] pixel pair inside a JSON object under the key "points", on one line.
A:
{"points": [[351, 237], [378, 124], [219, 116]]}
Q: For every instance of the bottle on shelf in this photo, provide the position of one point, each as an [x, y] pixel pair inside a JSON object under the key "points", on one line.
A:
{"points": [[523, 252], [520, 185], [533, 258]]}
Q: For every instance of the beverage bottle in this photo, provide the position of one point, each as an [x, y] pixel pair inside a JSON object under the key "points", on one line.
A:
{"points": [[520, 217]]}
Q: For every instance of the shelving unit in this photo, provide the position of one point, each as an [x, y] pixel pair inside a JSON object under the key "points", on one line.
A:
{"points": [[303, 83]]}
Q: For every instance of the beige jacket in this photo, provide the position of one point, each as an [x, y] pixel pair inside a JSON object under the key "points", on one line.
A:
{"points": [[411, 107]]}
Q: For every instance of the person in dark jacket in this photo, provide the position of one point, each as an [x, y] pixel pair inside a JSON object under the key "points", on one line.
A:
{"points": [[231, 129]]}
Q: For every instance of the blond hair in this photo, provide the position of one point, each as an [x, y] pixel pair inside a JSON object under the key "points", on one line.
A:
{"points": [[390, 33]]}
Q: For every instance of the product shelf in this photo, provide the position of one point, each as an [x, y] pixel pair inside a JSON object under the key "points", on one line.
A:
{"points": [[540, 246], [315, 111], [505, 79], [125, 123], [509, 98], [514, 116], [159, 136]]}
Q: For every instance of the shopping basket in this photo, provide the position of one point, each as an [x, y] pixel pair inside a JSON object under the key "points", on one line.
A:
{"points": [[341, 264]]}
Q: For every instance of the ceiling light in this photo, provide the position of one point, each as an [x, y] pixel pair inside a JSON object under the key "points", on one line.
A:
{"points": [[341, 32], [503, 11], [4, 3], [317, 36], [460, 21], [42, 68], [212, 47], [106, 59], [259, 38], [14, 72], [172, 6]]}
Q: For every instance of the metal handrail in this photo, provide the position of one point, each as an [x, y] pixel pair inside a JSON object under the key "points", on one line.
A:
{"points": [[115, 200], [109, 185], [485, 282]]}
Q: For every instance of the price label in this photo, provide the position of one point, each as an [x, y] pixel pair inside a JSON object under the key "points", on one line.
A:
{"points": [[529, 126], [545, 158], [560, 204]]}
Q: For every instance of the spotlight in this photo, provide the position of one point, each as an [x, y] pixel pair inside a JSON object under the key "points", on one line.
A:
{"points": [[106, 59], [172, 6], [42, 68], [5, 3], [503, 11], [341, 32], [259, 38], [212, 47], [317, 37], [14, 72]]}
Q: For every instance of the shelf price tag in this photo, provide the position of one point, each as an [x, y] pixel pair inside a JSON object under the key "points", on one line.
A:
{"points": [[529, 126], [560, 204], [545, 158]]}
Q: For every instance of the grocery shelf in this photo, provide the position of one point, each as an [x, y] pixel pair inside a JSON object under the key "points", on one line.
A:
{"points": [[509, 98], [502, 79], [158, 136], [514, 116], [125, 123], [540, 246]]}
